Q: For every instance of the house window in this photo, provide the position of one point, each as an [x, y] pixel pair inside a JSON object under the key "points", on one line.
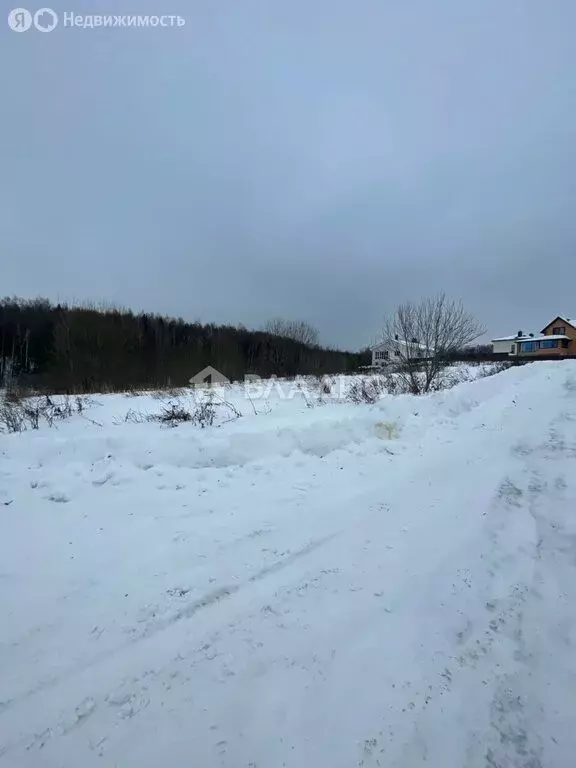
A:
{"points": [[528, 346], [559, 330], [549, 344], [512, 348], [397, 353]]}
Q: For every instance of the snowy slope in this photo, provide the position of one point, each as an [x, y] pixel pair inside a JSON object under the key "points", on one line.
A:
{"points": [[293, 588]]}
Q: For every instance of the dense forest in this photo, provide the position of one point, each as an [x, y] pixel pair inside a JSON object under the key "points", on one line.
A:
{"points": [[86, 349]]}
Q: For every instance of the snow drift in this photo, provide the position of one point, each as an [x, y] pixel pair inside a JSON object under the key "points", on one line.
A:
{"points": [[299, 587]]}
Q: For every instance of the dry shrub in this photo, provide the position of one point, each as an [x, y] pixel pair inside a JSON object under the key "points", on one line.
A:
{"points": [[18, 413], [201, 411], [369, 390]]}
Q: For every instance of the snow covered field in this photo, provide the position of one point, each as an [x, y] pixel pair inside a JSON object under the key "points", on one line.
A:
{"points": [[300, 588]]}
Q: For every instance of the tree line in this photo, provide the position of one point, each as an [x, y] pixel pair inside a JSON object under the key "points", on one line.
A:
{"points": [[62, 348]]}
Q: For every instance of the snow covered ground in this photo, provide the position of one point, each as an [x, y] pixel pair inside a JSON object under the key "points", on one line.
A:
{"points": [[300, 587]]}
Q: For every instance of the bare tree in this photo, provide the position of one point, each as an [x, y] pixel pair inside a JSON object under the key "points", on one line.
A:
{"points": [[422, 335], [298, 330]]}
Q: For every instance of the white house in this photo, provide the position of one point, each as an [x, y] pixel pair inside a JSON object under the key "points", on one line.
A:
{"points": [[508, 345], [395, 350]]}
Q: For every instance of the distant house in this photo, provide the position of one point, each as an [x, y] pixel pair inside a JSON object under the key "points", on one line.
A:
{"points": [[557, 338], [507, 345], [395, 350]]}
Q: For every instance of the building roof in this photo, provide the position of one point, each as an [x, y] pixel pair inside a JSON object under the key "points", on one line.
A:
{"points": [[549, 337], [512, 338], [559, 317], [386, 342]]}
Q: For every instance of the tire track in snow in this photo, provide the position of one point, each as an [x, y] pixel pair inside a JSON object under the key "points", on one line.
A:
{"points": [[531, 699], [135, 695], [499, 663], [221, 593], [208, 600]]}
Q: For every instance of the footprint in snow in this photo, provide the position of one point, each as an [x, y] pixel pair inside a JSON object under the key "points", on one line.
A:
{"points": [[58, 498]]}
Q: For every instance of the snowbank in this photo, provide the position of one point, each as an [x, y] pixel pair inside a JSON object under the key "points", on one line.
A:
{"points": [[295, 588]]}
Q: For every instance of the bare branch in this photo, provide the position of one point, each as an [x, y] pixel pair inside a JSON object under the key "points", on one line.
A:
{"points": [[422, 335], [298, 330]]}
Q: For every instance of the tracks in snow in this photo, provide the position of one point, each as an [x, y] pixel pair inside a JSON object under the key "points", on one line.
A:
{"points": [[423, 634]]}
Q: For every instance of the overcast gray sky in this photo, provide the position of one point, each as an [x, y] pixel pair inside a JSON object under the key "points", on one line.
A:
{"points": [[316, 159]]}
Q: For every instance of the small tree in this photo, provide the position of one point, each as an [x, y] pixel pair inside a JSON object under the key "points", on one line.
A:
{"points": [[298, 330], [423, 335]]}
